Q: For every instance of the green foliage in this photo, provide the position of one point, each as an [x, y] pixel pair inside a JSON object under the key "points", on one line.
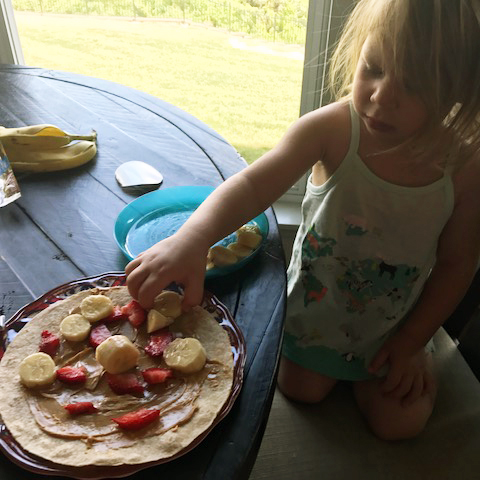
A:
{"points": [[250, 98], [274, 20]]}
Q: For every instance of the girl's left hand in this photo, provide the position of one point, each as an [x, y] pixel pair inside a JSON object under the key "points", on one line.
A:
{"points": [[408, 377]]}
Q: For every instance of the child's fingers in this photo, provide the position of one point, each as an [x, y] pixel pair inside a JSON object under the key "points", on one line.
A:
{"points": [[130, 267], [392, 380], [135, 280], [403, 387], [193, 293], [416, 390], [149, 289]]}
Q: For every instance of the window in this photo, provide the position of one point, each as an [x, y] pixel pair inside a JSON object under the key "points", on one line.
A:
{"points": [[10, 49], [236, 65], [324, 22]]}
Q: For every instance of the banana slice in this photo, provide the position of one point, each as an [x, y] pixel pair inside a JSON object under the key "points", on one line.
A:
{"points": [[37, 370], [117, 354], [75, 327], [96, 307], [157, 320], [210, 265], [249, 236], [241, 251], [169, 304], [186, 355], [221, 256], [250, 227]]}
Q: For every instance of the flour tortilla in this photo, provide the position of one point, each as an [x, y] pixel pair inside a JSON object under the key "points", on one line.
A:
{"points": [[18, 418]]}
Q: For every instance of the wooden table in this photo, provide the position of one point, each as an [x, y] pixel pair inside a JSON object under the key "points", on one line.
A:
{"points": [[61, 229]]}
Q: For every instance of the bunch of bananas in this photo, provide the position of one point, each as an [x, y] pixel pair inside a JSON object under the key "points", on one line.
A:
{"points": [[46, 148]]}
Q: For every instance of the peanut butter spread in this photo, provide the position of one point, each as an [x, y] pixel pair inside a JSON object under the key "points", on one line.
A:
{"points": [[188, 403], [175, 399]]}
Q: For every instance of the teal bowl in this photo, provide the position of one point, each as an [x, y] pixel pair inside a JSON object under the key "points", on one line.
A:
{"points": [[159, 214]]}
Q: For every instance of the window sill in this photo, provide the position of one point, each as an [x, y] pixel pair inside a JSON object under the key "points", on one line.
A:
{"points": [[288, 214]]}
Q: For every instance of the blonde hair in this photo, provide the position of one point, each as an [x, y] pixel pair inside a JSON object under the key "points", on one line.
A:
{"points": [[436, 50]]}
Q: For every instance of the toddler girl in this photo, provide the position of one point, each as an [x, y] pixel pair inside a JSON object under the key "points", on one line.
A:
{"points": [[390, 233]]}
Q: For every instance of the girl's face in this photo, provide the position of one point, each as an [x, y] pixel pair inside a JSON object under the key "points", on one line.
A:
{"points": [[389, 111]]}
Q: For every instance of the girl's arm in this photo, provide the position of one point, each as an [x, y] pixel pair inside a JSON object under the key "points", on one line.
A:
{"points": [[181, 258], [458, 255]]}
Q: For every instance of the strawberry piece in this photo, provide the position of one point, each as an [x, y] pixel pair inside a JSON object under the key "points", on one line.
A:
{"points": [[122, 383], [156, 375], [99, 334], [138, 419], [116, 315], [135, 312], [158, 342], [49, 343], [80, 408], [72, 375]]}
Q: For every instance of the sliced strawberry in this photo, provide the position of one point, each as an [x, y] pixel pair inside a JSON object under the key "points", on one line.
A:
{"points": [[49, 343], [72, 375], [99, 334], [122, 383], [138, 419], [116, 315], [158, 342], [135, 312], [80, 408], [156, 375]]}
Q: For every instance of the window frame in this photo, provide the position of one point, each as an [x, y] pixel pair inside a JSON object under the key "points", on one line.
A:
{"points": [[10, 47], [325, 21]]}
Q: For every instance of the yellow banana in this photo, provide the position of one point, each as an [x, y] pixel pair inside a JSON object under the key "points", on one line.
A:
{"points": [[62, 158], [39, 137], [46, 148], [30, 129]]}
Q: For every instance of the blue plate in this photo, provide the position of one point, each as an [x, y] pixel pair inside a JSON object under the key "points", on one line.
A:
{"points": [[159, 214]]}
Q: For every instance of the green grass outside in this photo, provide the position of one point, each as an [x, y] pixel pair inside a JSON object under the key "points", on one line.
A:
{"points": [[250, 98]]}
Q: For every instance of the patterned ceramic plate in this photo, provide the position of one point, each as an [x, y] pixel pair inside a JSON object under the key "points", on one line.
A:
{"points": [[38, 465]]}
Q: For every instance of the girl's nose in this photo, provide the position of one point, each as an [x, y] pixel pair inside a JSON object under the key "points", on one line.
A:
{"points": [[384, 92]]}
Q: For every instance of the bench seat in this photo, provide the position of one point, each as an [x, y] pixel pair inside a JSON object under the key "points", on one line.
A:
{"points": [[331, 441]]}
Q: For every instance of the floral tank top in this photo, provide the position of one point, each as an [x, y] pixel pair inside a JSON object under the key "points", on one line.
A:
{"points": [[363, 251]]}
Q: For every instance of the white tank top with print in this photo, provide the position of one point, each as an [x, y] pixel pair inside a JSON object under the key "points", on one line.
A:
{"points": [[362, 254]]}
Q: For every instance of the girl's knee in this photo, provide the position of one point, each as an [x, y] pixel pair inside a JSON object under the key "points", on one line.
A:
{"points": [[388, 418], [399, 428], [301, 384]]}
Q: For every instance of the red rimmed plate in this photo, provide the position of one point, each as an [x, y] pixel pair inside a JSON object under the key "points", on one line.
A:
{"points": [[28, 461]]}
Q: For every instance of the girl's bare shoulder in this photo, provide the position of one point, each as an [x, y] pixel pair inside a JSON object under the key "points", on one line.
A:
{"points": [[333, 118], [329, 129]]}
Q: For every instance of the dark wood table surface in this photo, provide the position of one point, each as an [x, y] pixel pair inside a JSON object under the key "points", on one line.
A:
{"points": [[61, 230]]}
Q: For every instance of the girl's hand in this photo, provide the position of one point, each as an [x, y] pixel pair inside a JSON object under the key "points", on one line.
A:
{"points": [[408, 377], [177, 260]]}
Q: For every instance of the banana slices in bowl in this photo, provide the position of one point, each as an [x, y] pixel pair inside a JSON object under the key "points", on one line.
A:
{"points": [[159, 214], [236, 248]]}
